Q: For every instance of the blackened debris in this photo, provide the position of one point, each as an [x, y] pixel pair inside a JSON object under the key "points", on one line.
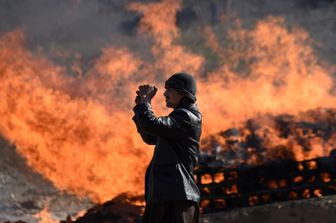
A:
{"points": [[119, 210]]}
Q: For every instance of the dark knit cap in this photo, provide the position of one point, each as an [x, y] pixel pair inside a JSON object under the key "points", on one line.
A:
{"points": [[183, 83]]}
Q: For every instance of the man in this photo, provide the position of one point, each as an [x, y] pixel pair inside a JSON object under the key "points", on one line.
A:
{"points": [[170, 190]]}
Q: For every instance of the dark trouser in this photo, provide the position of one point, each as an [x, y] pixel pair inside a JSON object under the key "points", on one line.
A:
{"points": [[172, 212]]}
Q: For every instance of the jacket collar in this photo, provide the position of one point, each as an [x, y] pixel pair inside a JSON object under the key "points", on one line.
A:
{"points": [[186, 104]]}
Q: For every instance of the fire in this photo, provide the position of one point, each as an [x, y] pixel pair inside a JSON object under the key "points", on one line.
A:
{"points": [[293, 195], [312, 165], [160, 21], [73, 141], [44, 216], [273, 184], [77, 130], [204, 203], [253, 200], [317, 193], [219, 177], [282, 72], [298, 179], [274, 138], [205, 191], [306, 193], [206, 179], [325, 177], [232, 189]]}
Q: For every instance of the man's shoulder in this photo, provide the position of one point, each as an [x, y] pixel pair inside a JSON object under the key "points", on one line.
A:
{"points": [[188, 115]]}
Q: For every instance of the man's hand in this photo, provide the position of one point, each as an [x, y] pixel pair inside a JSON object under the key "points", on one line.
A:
{"points": [[146, 92]]}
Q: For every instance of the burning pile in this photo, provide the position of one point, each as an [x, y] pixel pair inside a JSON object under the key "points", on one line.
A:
{"points": [[281, 180], [269, 159], [270, 138]]}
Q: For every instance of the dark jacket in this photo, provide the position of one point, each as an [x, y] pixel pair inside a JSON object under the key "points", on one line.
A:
{"points": [[176, 139]]}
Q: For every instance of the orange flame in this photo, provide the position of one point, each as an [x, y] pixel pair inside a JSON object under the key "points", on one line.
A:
{"points": [[293, 195], [232, 189], [77, 131], [159, 20], [306, 193], [219, 177], [273, 184], [253, 200], [206, 179], [317, 193], [298, 179], [44, 216], [281, 75], [75, 142], [326, 177]]}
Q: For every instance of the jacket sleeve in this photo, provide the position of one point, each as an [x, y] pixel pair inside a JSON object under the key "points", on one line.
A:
{"points": [[173, 126], [149, 139]]}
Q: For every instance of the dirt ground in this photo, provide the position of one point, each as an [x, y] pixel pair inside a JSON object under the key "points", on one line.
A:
{"points": [[315, 210]]}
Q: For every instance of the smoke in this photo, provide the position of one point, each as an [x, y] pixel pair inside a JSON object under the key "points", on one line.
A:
{"points": [[85, 27]]}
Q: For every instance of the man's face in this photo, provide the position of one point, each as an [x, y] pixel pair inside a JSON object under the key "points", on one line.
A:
{"points": [[173, 97]]}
